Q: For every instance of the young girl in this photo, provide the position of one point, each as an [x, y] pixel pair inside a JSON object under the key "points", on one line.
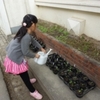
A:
{"points": [[18, 48]]}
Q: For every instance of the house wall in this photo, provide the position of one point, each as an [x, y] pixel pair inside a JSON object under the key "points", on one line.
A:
{"points": [[4, 22], [59, 11], [12, 13], [15, 11], [56, 11]]}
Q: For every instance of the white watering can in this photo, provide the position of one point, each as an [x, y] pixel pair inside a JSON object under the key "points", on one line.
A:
{"points": [[43, 57]]}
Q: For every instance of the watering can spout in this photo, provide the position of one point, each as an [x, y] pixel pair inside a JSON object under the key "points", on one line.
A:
{"points": [[48, 52]]}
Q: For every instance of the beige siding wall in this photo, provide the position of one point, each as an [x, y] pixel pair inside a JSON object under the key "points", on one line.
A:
{"points": [[60, 16], [56, 11]]}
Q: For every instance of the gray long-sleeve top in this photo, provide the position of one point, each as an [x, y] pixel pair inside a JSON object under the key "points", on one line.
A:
{"points": [[17, 51]]}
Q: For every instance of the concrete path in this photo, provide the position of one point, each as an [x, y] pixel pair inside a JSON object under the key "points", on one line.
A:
{"points": [[3, 89], [55, 87], [4, 95]]}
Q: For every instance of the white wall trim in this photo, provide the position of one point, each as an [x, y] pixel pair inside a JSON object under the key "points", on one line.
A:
{"points": [[82, 5]]}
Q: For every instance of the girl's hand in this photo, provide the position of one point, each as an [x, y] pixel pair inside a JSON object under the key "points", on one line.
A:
{"points": [[37, 55], [43, 50]]}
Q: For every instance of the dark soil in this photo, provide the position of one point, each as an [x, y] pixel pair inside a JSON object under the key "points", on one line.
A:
{"points": [[87, 45]]}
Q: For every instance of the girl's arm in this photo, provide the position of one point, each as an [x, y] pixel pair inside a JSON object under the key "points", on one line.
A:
{"points": [[43, 50], [35, 43], [25, 42]]}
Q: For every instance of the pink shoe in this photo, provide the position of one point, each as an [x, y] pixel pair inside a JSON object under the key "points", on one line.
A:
{"points": [[33, 80], [36, 95]]}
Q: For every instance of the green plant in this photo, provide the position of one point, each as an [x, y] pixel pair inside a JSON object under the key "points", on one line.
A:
{"points": [[81, 43], [43, 29], [52, 28], [61, 38]]}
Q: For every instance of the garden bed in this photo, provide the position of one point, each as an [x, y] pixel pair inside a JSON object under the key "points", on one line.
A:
{"points": [[87, 45], [86, 64]]}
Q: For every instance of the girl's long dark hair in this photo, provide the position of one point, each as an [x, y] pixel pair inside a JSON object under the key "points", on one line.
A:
{"points": [[28, 20]]}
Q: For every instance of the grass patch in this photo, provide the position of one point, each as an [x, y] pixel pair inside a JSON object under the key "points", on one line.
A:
{"points": [[82, 43]]}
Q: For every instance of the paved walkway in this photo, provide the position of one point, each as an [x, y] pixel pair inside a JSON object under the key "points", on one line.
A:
{"points": [[55, 87], [12, 87], [3, 90], [4, 95]]}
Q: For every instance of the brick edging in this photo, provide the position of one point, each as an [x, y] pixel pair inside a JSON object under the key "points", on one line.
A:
{"points": [[88, 66]]}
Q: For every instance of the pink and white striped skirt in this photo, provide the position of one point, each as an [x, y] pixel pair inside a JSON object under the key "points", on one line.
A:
{"points": [[13, 68]]}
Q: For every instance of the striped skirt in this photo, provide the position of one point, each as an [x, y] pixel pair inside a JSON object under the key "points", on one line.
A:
{"points": [[13, 68]]}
